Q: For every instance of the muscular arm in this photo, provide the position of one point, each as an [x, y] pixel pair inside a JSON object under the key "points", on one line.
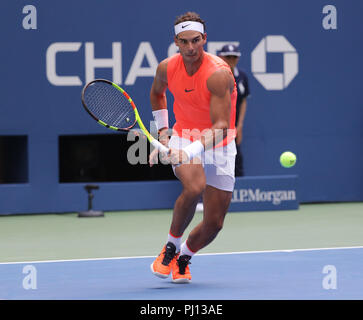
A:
{"points": [[158, 88], [220, 84], [157, 94], [158, 102]]}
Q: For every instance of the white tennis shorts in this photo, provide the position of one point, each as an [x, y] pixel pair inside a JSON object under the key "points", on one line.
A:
{"points": [[218, 163]]}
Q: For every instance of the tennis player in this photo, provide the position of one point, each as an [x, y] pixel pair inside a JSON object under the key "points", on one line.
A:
{"points": [[202, 145]]}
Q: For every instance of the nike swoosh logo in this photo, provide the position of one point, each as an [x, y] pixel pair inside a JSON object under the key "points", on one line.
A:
{"points": [[185, 26], [186, 90]]}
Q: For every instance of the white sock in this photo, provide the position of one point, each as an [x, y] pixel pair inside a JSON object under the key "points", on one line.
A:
{"points": [[184, 250], [175, 240]]}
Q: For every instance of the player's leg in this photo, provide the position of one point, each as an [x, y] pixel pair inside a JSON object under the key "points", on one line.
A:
{"points": [[217, 195], [193, 181], [216, 203], [219, 172]]}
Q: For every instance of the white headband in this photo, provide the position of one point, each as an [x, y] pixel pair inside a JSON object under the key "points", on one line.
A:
{"points": [[189, 25]]}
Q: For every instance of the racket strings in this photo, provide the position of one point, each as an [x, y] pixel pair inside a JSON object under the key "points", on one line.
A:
{"points": [[109, 105]]}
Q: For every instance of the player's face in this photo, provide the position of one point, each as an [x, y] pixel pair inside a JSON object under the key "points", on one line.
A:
{"points": [[190, 44]]}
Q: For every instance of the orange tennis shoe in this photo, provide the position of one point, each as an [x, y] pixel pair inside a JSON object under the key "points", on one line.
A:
{"points": [[180, 269], [161, 267]]}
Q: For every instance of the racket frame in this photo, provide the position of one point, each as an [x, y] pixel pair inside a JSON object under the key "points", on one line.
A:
{"points": [[151, 139]]}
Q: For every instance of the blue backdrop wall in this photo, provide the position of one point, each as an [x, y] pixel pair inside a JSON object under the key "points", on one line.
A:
{"points": [[304, 74]]}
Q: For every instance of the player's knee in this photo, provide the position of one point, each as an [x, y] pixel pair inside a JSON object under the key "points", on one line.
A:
{"points": [[195, 189]]}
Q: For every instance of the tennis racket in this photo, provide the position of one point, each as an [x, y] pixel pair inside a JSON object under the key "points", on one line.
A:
{"points": [[113, 108]]}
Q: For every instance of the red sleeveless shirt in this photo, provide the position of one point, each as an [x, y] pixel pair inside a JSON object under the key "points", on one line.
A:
{"points": [[192, 97]]}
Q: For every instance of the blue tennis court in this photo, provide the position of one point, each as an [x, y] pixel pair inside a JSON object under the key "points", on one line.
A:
{"points": [[328, 273]]}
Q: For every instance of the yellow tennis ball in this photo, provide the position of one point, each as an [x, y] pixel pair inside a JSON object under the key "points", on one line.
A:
{"points": [[287, 159]]}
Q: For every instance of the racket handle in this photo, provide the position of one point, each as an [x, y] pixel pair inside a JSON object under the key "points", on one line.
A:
{"points": [[159, 146]]}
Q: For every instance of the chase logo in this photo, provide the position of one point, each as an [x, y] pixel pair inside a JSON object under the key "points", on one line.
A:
{"points": [[274, 81], [144, 62]]}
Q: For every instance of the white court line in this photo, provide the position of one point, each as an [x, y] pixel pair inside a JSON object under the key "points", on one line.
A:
{"points": [[198, 254]]}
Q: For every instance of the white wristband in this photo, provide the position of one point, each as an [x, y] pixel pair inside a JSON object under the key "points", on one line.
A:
{"points": [[194, 149], [161, 118]]}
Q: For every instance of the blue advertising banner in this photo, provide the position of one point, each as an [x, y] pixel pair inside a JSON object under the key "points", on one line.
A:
{"points": [[302, 59]]}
